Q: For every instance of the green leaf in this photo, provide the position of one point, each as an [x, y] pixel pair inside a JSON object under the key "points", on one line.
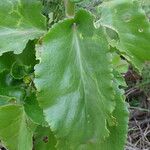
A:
{"points": [[27, 57], [15, 71], [74, 82], [119, 63], [44, 139], [22, 63], [33, 110], [132, 26], [6, 60], [118, 132], [20, 21], [11, 88], [15, 131]]}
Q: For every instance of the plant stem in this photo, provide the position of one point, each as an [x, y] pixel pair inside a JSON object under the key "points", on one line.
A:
{"points": [[69, 8]]}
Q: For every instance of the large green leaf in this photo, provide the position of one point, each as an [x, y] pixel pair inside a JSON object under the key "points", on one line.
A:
{"points": [[132, 26], [15, 131], [74, 82], [20, 20]]}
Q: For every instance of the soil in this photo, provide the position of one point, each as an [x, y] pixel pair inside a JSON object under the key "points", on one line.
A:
{"points": [[139, 123]]}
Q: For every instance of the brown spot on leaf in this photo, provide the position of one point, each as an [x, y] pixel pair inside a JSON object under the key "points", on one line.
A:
{"points": [[45, 139]]}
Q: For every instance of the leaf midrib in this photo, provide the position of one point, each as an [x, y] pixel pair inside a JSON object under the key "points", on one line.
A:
{"points": [[79, 60]]}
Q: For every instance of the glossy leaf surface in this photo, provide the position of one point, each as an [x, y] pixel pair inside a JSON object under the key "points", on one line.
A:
{"points": [[74, 82]]}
